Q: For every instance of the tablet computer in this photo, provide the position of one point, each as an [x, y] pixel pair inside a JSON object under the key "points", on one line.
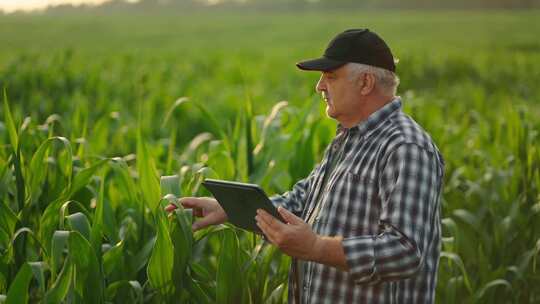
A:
{"points": [[241, 201]]}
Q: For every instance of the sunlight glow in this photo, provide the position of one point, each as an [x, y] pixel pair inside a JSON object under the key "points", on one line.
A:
{"points": [[9, 6]]}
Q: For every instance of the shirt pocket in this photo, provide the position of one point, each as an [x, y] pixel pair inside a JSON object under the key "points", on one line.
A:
{"points": [[356, 208]]}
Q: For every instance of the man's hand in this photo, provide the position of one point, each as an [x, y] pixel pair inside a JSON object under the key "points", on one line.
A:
{"points": [[205, 207], [294, 238]]}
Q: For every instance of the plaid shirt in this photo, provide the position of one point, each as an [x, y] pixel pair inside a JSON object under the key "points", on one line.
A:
{"points": [[383, 199]]}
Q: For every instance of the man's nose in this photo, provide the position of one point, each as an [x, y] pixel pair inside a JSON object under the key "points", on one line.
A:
{"points": [[321, 86]]}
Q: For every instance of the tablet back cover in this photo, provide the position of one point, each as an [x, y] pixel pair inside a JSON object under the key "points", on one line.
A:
{"points": [[240, 202]]}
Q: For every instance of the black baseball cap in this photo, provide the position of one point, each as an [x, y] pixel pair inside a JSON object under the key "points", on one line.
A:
{"points": [[354, 45]]}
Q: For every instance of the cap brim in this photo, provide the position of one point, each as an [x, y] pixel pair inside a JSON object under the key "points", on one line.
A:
{"points": [[320, 64]]}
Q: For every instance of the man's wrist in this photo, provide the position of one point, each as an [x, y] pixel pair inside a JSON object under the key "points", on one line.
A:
{"points": [[318, 249], [329, 251]]}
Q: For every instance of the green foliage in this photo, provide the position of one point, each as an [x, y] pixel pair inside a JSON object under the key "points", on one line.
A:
{"points": [[81, 202], [160, 265], [227, 270], [18, 291]]}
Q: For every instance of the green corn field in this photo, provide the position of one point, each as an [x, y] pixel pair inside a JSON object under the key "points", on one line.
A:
{"points": [[108, 117]]}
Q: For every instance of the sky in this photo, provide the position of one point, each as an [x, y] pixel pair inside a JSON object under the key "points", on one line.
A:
{"points": [[27, 5]]}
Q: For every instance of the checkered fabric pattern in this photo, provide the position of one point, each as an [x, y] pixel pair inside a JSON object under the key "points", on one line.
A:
{"points": [[383, 199]]}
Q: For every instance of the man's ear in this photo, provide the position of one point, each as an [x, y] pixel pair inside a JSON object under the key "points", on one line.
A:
{"points": [[367, 83]]}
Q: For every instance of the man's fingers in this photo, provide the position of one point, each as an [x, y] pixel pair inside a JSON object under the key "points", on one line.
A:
{"points": [[196, 211], [170, 208], [288, 216], [263, 217], [267, 231], [194, 203], [271, 221], [202, 223], [191, 202]]}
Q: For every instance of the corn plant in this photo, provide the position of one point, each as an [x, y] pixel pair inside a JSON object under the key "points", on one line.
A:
{"points": [[94, 143]]}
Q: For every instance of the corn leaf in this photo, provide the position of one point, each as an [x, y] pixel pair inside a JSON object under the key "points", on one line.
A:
{"points": [[38, 269], [89, 281], [49, 221], [199, 272], [276, 296], [83, 177], [182, 240], [161, 263], [170, 185], [18, 290], [228, 268], [64, 211], [197, 294], [171, 110], [491, 285], [8, 219], [58, 244], [10, 124], [38, 165], [126, 184], [61, 286], [459, 262], [135, 286], [79, 222], [113, 258], [19, 178], [96, 233], [141, 259], [21, 232], [148, 177]]}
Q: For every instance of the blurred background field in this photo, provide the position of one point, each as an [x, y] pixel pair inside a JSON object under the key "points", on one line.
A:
{"points": [[111, 80]]}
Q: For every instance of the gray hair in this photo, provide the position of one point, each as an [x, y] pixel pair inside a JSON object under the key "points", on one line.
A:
{"points": [[385, 80]]}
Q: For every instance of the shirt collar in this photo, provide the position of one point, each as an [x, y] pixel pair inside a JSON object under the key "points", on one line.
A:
{"points": [[373, 120]]}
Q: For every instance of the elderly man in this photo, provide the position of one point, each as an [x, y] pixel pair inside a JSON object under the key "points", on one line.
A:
{"points": [[364, 226]]}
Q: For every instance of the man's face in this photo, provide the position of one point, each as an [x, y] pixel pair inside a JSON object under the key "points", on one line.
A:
{"points": [[341, 93]]}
